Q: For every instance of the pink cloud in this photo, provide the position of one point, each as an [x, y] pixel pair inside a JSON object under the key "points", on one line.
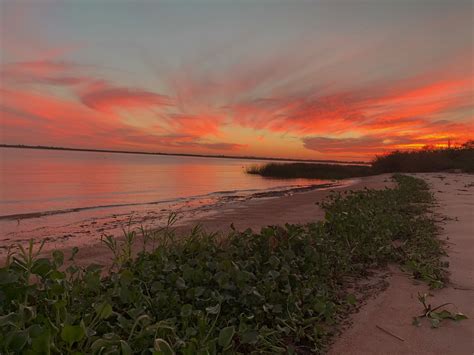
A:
{"points": [[110, 98], [338, 146], [406, 113], [50, 120], [43, 72], [430, 133]]}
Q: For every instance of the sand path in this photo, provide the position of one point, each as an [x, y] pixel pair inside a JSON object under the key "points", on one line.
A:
{"points": [[394, 308]]}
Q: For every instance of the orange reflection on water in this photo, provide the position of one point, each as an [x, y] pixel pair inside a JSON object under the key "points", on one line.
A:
{"points": [[45, 180]]}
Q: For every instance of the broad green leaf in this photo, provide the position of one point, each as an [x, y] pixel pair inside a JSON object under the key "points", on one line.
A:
{"points": [[225, 336], [125, 348], [459, 316], [186, 310], [41, 267], [180, 283], [273, 274], [58, 257], [104, 310], [35, 330], [249, 337], [8, 276], [72, 333], [41, 343], [74, 251], [56, 275], [126, 278], [16, 340]]}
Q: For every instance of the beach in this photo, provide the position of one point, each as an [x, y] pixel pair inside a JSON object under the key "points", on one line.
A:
{"points": [[394, 307], [384, 324], [274, 207]]}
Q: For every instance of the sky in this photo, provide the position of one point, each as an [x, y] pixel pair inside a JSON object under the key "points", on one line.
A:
{"points": [[297, 79]]}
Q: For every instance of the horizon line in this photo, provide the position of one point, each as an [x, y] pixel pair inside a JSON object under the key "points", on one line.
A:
{"points": [[221, 156]]}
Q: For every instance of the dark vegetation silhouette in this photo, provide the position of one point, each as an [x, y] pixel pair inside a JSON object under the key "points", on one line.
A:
{"points": [[428, 159], [309, 171]]}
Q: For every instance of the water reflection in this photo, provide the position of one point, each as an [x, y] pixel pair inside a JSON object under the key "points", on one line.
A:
{"points": [[44, 180]]}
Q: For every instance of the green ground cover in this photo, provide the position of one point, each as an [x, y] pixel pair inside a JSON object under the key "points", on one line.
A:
{"points": [[280, 290]]}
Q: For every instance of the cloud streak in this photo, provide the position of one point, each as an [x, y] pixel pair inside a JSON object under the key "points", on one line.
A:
{"points": [[110, 98]]}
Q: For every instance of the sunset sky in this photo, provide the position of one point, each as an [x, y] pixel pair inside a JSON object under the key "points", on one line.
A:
{"points": [[300, 79]]}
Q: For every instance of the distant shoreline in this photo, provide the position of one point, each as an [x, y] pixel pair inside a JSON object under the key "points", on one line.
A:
{"points": [[20, 146]]}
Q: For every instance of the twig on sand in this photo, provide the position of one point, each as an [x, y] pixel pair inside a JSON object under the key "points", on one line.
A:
{"points": [[463, 288], [389, 333]]}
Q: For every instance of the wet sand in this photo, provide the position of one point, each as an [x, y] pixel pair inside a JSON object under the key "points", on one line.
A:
{"points": [[65, 229], [394, 308]]}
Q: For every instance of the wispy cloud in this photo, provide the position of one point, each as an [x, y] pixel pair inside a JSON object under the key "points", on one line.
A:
{"points": [[41, 72]]}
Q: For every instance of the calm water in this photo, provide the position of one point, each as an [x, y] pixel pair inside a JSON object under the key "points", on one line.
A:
{"points": [[44, 180]]}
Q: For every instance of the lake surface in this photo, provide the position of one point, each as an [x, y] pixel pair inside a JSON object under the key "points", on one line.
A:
{"points": [[37, 181]]}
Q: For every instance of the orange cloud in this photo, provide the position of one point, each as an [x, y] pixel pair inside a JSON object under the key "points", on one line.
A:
{"points": [[51, 120], [365, 147], [401, 116], [195, 125]]}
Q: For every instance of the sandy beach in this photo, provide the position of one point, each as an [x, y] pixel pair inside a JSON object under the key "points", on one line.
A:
{"points": [[394, 308], [391, 309], [254, 213], [84, 229]]}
